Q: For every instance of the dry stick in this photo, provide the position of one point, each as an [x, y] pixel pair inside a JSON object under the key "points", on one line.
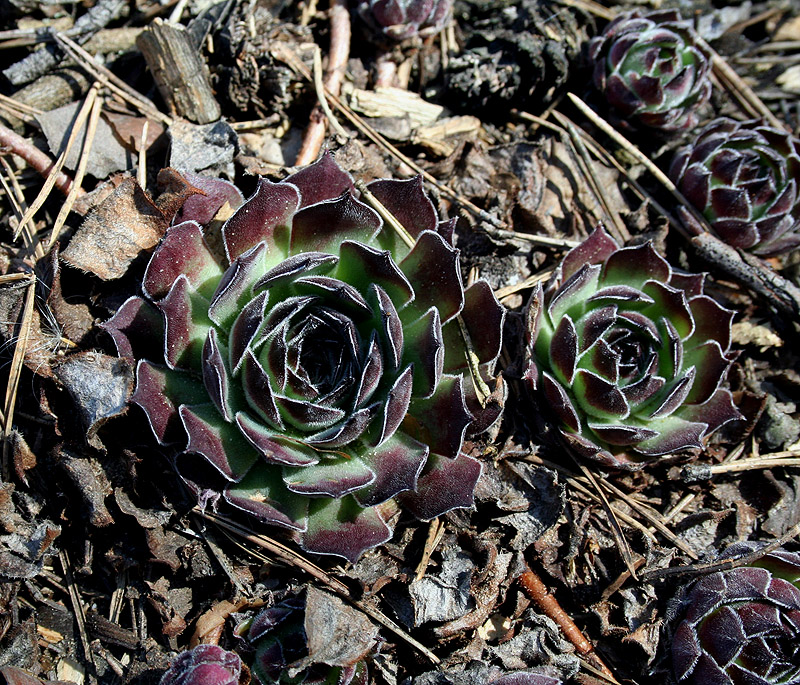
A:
{"points": [[77, 606], [337, 63], [88, 142], [538, 592], [725, 564], [584, 164], [111, 81], [16, 370], [653, 517], [616, 528], [292, 558], [747, 269], [737, 87], [33, 156], [44, 193], [282, 52]]}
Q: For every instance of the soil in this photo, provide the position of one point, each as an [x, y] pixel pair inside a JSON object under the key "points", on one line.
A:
{"points": [[108, 566]]}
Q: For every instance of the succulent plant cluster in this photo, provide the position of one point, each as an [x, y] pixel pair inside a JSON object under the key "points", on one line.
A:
{"points": [[204, 665], [399, 20], [650, 70], [324, 365], [278, 639], [744, 177], [742, 626], [628, 354]]}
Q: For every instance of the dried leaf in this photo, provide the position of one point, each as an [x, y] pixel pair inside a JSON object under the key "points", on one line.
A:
{"points": [[100, 386], [107, 154], [337, 634], [123, 226]]}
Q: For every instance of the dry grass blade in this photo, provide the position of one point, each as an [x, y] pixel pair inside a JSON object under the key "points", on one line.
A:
{"points": [[614, 223], [637, 154], [744, 95], [289, 556], [435, 535], [283, 53], [616, 528], [44, 193], [653, 517], [88, 142], [110, 80], [17, 362], [77, 605], [725, 564]]}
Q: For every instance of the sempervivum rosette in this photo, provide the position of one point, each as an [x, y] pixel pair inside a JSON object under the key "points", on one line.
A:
{"points": [[321, 366], [742, 626], [629, 354], [399, 20], [744, 177], [204, 665], [650, 70]]}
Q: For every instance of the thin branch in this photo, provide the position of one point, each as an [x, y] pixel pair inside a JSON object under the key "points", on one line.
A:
{"points": [[337, 64], [33, 156]]}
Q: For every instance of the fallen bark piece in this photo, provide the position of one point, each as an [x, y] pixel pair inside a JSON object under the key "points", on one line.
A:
{"points": [[179, 72]]}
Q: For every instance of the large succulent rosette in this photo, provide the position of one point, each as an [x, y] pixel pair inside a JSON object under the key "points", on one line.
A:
{"points": [[744, 177], [322, 365], [399, 20], [628, 354], [650, 70], [742, 626]]}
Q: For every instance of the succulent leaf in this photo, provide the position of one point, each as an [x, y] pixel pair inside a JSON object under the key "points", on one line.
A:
{"points": [[204, 665], [632, 369], [398, 20], [744, 177], [310, 371], [742, 625], [650, 70]]}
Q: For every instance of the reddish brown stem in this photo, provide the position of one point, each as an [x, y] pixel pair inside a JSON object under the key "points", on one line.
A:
{"points": [[538, 592], [34, 157], [337, 64]]}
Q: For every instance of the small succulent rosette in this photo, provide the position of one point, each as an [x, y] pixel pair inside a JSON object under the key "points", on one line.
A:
{"points": [[280, 655], [399, 20], [650, 70], [742, 626], [324, 365], [744, 177], [204, 665], [628, 354]]}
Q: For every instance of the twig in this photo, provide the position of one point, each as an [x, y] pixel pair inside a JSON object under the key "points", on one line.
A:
{"points": [[337, 63], [725, 564], [291, 557], [33, 156], [41, 61], [538, 592]]}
